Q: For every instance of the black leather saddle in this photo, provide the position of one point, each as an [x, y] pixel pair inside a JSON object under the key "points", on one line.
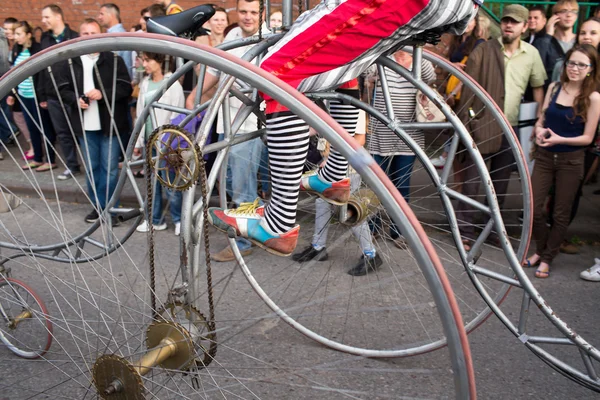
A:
{"points": [[187, 22]]}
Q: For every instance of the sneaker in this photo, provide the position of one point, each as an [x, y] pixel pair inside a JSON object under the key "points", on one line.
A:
{"points": [[248, 221], [336, 193], [144, 227], [177, 228], [439, 162], [593, 273], [115, 221], [67, 174], [310, 253], [227, 254], [366, 265], [92, 217]]}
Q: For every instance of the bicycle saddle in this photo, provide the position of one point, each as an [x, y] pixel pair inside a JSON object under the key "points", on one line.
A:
{"points": [[188, 21]]}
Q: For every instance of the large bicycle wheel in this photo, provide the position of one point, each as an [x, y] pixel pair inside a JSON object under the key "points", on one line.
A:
{"points": [[107, 338], [491, 265], [26, 328]]}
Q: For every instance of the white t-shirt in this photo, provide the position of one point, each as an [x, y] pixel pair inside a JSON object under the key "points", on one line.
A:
{"points": [[91, 115], [235, 104]]}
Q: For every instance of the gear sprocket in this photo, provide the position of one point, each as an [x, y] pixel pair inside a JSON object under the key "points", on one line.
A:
{"points": [[177, 162], [188, 316]]}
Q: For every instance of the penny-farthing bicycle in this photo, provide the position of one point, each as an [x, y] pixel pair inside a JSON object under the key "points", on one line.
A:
{"points": [[134, 316]]}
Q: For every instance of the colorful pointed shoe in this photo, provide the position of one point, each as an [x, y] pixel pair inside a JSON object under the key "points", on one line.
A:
{"points": [[248, 221], [336, 193]]}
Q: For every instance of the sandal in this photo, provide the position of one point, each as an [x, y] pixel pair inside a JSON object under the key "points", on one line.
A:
{"points": [[467, 243], [28, 155], [527, 263], [46, 167], [31, 165], [542, 274]]}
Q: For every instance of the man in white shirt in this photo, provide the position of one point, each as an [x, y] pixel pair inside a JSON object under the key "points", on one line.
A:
{"points": [[93, 95]]}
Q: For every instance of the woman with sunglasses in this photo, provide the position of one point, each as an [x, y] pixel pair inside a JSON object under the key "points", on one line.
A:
{"points": [[566, 126]]}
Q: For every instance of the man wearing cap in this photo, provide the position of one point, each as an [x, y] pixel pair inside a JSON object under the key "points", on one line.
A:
{"points": [[504, 68]]}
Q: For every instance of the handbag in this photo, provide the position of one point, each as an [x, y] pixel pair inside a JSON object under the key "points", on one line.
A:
{"points": [[453, 82], [426, 109]]}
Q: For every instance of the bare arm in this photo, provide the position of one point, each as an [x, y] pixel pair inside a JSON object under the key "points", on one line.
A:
{"points": [[210, 81], [538, 96], [539, 125], [549, 138]]}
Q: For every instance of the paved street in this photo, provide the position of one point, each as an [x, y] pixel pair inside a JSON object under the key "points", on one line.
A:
{"points": [[269, 358]]}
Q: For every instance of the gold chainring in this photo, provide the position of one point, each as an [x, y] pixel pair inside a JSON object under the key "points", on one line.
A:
{"points": [[177, 161], [109, 368], [195, 323]]}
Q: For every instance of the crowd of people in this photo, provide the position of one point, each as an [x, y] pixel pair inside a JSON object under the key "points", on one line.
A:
{"points": [[539, 59]]}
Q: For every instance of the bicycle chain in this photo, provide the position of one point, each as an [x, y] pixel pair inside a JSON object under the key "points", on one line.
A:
{"points": [[151, 246], [149, 193]]}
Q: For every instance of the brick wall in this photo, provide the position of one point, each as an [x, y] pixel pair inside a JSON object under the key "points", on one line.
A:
{"points": [[77, 10]]}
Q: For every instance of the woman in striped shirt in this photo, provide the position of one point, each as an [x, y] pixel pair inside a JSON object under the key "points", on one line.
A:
{"points": [[24, 96], [388, 150]]}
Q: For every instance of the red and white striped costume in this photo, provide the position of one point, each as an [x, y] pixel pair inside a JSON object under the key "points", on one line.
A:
{"points": [[339, 39]]}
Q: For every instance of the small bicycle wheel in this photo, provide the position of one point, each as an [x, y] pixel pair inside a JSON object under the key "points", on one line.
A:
{"points": [[26, 329]]}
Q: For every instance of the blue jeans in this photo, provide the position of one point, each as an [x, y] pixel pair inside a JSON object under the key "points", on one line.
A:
{"points": [[263, 170], [174, 199], [398, 169], [242, 175], [242, 170], [101, 159]]}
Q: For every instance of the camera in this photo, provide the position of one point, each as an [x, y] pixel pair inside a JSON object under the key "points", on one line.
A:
{"points": [[85, 99]]}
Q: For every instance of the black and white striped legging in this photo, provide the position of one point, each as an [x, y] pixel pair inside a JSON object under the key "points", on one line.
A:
{"points": [[287, 139]]}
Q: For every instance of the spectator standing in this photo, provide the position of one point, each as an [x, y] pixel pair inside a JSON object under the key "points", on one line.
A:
{"points": [[154, 65], [18, 116], [216, 24], [459, 50], [24, 97], [109, 18], [589, 33], [394, 157], [5, 121], [53, 115], [93, 95], [276, 19], [244, 159], [536, 23], [37, 34], [561, 37], [170, 6], [567, 125], [504, 68]]}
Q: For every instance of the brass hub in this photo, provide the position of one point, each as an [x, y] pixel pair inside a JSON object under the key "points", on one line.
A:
{"points": [[195, 323], [112, 371], [167, 333]]}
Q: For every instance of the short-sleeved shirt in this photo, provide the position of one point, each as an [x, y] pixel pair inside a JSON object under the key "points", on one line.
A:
{"points": [[235, 104], [381, 140], [524, 67]]}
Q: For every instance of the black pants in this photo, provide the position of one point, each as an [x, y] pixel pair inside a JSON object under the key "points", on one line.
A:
{"points": [[65, 134]]}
